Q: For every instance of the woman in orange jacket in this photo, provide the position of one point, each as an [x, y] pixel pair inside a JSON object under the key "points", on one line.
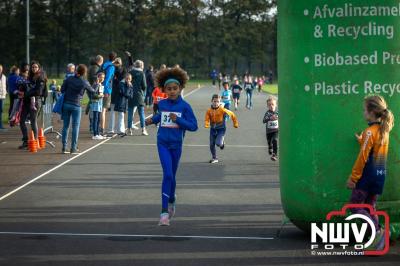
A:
{"points": [[215, 120]]}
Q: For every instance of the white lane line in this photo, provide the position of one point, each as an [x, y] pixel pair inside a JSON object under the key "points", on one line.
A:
{"points": [[69, 160], [186, 145], [131, 235], [51, 170]]}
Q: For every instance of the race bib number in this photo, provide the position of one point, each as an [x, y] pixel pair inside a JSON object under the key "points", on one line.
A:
{"points": [[166, 120], [273, 124], [236, 90]]}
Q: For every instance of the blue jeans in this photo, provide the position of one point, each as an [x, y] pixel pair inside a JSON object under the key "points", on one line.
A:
{"points": [[249, 100], [141, 116], [96, 122], [169, 159], [1, 112], [71, 111]]}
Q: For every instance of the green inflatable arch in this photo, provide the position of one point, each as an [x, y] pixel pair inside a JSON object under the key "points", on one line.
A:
{"points": [[331, 55]]}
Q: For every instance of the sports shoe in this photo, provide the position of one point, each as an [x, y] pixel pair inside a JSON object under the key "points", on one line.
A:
{"points": [[23, 146], [130, 132], [164, 219], [222, 146], [274, 157], [171, 210], [379, 241], [144, 132], [214, 160], [75, 151]]}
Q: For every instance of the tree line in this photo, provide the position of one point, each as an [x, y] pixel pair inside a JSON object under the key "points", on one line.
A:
{"points": [[231, 36]]}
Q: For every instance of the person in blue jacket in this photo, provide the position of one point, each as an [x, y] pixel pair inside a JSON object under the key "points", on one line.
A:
{"points": [[109, 69], [175, 117]]}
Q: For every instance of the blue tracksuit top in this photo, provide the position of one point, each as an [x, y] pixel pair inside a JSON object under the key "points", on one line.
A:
{"points": [[109, 69], [171, 134]]}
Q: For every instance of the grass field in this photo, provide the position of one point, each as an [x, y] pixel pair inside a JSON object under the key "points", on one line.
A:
{"points": [[270, 88]]}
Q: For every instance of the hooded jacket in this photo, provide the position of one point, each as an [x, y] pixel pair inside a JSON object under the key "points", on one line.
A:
{"points": [[139, 87], [109, 69], [171, 134]]}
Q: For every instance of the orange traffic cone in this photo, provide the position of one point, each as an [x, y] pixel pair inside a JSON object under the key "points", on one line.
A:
{"points": [[32, 144], [42, 139]]}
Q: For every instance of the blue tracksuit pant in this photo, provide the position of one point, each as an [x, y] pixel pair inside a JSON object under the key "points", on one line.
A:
{"points": [[169, 159], [216, 138]]}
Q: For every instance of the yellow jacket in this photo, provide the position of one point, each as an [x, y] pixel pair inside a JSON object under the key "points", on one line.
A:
{"points": [[215, 118]]}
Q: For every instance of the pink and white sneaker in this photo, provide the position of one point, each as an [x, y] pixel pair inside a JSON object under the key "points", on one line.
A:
{"points": [[164, 219], [171, 210]]}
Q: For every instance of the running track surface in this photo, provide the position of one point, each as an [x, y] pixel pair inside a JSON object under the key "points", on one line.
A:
{"points": [[102, 208]]}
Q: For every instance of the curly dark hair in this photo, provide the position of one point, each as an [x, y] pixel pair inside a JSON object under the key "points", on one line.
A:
{"points": [[171, 73]]}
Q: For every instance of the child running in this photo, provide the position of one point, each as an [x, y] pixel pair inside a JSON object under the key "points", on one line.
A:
{"points": [[175, 117], [158, 95], [272, 128], [96, 105], [236, 91], [215, 120], [226, 95], [368, 175]]}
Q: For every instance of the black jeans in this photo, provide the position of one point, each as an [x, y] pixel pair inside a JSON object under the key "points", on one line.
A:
{"points": [[12, 98], [33, 114], [272, 139]]}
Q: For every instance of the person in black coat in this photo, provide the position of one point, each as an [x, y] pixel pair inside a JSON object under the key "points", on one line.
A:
{"points": [[125, 92], [32, 96], [119, 75], [150, 86], [139, 89]]}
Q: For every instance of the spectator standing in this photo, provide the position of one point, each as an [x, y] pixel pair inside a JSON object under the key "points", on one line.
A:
{"points": [[33, 88], [119, 75], [3, 94], [12, 87], [139, 88], [150, 86], [73, 89], [109, 69]]}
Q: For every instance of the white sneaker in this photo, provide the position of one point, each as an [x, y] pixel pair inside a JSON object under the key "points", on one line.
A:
{"points": [[144, 132], [135, 127], [214, 161], [130, 132]]}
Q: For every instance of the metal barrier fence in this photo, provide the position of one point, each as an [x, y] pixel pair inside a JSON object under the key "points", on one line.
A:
{"points": [[46, 114]]}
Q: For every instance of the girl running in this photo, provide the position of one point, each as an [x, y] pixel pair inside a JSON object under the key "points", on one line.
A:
{"points": [[175, 117], [368, 175], [215, 120]]}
